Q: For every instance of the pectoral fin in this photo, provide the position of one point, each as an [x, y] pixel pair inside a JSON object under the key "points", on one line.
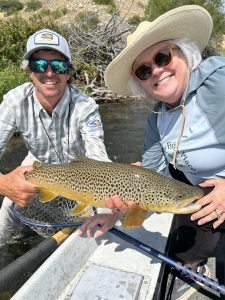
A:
{"points": [[79, 208], [45, 195], [134, 217]]}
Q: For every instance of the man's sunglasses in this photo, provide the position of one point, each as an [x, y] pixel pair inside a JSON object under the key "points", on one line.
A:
{"points": [[40, 65], [161, 59]]}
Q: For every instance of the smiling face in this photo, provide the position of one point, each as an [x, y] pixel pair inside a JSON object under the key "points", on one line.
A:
{"points": [[49, 86], [166, 83]]}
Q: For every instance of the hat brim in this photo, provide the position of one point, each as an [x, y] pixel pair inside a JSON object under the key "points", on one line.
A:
{"points": [[43, 47], [190, 22]]}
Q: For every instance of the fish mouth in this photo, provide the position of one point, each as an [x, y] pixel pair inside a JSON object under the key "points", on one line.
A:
{"points": [[188, 208], [189, 205]]}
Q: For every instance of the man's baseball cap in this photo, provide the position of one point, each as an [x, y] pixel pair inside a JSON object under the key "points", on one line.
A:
{"points": [[47, 39]]}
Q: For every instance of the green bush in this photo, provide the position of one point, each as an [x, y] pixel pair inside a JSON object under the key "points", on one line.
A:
{"points": [[55, 14], [10, 6], [44, 12], [104, 2], [14, 33], [33, 5], [59, 12], [134, 20], [11, 77], [111, 9], [85, 69]]}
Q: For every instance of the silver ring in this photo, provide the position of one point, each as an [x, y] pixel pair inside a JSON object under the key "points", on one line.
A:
{"points": [[115, 210], [217, 215]]}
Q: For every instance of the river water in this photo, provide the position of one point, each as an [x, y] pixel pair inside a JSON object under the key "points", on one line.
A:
{"points": [[123, 124], [124, 129]]}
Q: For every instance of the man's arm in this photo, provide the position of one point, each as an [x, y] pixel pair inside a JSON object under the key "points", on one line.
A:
{"points": [[13, 185], [93, 136]]}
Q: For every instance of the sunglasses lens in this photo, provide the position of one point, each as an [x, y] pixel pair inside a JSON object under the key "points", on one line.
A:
{"points": [[38, 65], [143, 72], [41, 65], [163, 58], [59, 67]]}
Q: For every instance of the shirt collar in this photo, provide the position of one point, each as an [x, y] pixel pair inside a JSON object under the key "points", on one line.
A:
{"points": [[63, 103], [60, 107]]}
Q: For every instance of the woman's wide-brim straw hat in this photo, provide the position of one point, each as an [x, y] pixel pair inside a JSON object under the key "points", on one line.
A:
{"points": [[190, 22]]}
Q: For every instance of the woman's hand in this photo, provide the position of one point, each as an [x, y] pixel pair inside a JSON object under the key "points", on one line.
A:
{"points": [[14, 186], [213, 203]]}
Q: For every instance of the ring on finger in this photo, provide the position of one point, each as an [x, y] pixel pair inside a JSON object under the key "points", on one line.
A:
{"points": [[115, 210], [217, 213], [222, 217]]}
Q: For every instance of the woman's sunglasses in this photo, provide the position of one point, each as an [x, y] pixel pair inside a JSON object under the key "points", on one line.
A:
{"points": [[40, 65], [161, 59]]}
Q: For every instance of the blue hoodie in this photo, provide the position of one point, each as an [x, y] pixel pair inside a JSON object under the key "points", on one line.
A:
{"points": [[201, 151]]}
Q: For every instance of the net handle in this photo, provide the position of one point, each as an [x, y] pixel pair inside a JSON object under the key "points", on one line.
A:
{"points": [[16, 273]]}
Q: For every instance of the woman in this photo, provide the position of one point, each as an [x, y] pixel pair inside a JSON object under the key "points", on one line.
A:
{"points": [[185, 134]]}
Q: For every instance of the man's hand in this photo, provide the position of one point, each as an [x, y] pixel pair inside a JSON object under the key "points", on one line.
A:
{"points": [[137, 163], [116, 204], [105, 221], [14, 186]]}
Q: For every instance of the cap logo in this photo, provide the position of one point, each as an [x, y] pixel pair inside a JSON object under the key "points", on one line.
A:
{"points": [[46, 38]]}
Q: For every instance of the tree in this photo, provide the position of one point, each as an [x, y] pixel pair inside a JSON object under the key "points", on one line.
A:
{"points": [[155, 8], [94, 44]]}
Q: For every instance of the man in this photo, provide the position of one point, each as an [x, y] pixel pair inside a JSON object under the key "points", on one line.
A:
{"points": [[56, 121]]}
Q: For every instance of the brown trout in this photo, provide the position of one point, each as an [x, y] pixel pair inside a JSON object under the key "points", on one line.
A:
{"points": [[89, 182]]}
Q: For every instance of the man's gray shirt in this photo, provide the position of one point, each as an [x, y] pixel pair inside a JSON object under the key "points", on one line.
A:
{"points": [[74, 128]]}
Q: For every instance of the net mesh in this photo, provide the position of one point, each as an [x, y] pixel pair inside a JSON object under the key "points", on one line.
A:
{"points": [[48, 218]]}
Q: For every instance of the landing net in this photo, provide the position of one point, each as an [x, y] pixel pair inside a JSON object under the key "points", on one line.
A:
{"points": [[48, 218]]}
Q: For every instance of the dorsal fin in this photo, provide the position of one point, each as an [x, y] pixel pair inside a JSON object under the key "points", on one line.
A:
{"points": [[84, 160]]}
